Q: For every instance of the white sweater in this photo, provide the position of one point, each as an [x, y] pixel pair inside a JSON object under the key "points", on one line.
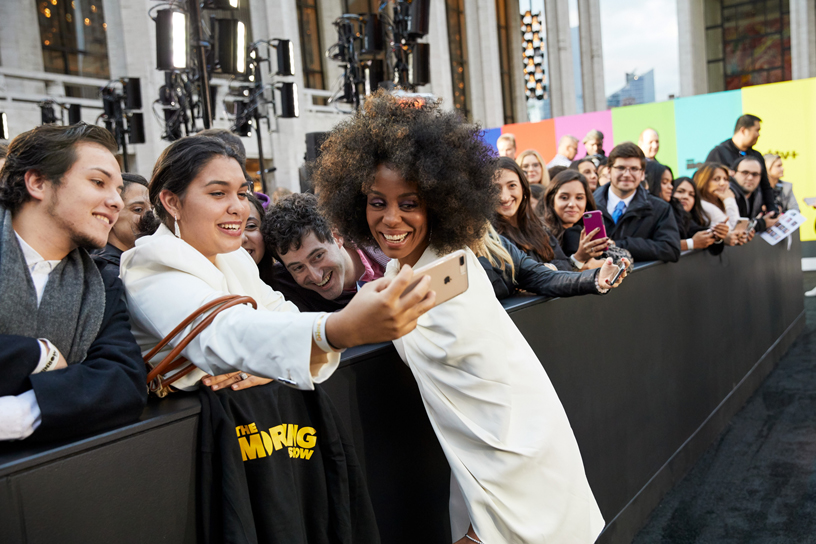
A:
{"points": [[716, 215], [166, 280]]}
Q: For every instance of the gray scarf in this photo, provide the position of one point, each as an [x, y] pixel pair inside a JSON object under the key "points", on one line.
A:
{"points": [[73, 302]]}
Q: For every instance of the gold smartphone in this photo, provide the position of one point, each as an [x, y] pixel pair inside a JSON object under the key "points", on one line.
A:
{"points": [[741, 226], [448, 276]]}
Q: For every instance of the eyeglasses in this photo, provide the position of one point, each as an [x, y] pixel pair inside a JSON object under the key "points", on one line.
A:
{"points": [[630, 169], [748, 174]]}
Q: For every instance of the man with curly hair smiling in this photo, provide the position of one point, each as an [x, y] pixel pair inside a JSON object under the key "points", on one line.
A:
{"points": [[318, 271], [418, 182]]}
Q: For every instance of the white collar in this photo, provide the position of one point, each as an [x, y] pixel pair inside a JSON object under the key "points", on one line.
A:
{"points": [[31, 255], [612, 200]]}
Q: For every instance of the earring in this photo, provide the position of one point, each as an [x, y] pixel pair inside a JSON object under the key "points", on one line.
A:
{"points": [[178, 232]]}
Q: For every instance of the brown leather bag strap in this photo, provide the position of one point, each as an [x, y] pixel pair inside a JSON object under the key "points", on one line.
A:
{"points": [[170, 362]]}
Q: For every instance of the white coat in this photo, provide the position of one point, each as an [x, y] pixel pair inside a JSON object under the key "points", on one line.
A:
{"points": [[166, 280], [504, 432]]}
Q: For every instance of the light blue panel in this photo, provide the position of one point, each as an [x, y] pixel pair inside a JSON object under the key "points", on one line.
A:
{"points": [[701, 122]]}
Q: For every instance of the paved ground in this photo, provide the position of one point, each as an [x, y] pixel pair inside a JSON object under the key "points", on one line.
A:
{"points": [[757, 482]]}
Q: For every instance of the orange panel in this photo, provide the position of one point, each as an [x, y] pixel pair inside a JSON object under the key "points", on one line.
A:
{"points": [[539, 136]]}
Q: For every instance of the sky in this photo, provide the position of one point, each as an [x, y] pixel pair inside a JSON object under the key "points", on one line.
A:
{"points": [[636, 35], [640, 35]]}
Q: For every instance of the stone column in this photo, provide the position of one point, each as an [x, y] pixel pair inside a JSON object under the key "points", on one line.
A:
{"points": [[516, 62], [803, 38], [559, 58], [20, 45], [441, 84], [483, 62], [692, 47], [592, 73]]}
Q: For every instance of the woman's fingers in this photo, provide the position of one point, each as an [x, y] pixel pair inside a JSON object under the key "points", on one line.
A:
{"points": [[223, 380], [250, 381]]}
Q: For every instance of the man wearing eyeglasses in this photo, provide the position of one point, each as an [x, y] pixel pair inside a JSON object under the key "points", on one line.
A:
{"points": [[635, 220], [747, 172], [741, 144]]}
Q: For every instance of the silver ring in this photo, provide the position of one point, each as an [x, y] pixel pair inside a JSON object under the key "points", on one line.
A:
{"points": [[243, 375]]}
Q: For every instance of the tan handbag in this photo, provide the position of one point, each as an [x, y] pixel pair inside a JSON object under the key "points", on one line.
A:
{"points": [[156, 382]]}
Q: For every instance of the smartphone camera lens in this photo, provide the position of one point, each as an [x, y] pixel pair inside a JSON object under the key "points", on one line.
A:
{"points": [[461, 261]]}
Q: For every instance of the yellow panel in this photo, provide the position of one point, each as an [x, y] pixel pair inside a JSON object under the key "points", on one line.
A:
{"points": [[788, 113]]}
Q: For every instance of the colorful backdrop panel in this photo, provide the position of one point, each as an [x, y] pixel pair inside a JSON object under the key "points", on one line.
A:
{"points": [[788, 113], [702, 122], [491, 135], [630, 121], [579, 125], [539, 136]]}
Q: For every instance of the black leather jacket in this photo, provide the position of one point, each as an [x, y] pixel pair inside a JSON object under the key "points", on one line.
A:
{"points": [[536, 278]]}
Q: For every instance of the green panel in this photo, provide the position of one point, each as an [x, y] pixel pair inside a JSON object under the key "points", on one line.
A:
{"points": [[628, 122]]}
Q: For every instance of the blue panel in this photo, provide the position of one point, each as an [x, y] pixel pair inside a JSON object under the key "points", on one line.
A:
{"points": [[701, 122], [491, 136]]}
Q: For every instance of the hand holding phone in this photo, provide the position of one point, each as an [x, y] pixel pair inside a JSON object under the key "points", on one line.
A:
{"points": [[448, 276]]}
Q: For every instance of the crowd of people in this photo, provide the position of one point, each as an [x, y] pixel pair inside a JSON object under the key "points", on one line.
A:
{"points": [[330, 270]]}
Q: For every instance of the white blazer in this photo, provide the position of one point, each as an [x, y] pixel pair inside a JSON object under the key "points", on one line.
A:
{"points": [[499, 421], [166, 280]]}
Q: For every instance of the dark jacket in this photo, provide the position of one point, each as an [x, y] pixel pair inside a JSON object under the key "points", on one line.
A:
{"points": [[534, 277], [278, 278], [109, 257], [560, 260], [646, 229], [749, 206], [726, 153], [105, 390], [277, 466]]}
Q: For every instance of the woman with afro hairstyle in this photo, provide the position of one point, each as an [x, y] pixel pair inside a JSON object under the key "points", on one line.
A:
{"points": [[418, 182]]}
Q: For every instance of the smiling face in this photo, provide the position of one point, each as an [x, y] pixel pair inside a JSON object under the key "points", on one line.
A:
{"points": [[587, 168], [396, 216], [318, 266], [625, 176], [136, 204], [776, 170], [569, 203], [214, 209], [87, 202], [532, 169], [649, 143], [666, 185], [685, 195], [252, 240], [511, 194]]}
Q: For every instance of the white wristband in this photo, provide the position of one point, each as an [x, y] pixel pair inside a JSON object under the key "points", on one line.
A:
{"points": [[690, 243], [319, 334]]}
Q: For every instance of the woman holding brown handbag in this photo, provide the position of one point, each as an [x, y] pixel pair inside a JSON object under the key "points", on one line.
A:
{"points": [[198, 191]]}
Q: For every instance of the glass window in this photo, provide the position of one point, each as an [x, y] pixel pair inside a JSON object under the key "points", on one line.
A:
{"points": [[310, 48], [505, 64], [458, 55], [73, 35], [751, 46]]}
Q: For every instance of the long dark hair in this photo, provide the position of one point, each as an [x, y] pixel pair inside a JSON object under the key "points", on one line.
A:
{"points": [[697, 213], [546, 206], [530, 234], [654, 174]]}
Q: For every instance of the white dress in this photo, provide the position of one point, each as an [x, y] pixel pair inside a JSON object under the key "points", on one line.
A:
{"points": [[166, 280], [503, 430]]}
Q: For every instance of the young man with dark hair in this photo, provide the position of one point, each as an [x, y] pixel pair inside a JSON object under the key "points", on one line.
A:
{"points": [[747, 172], [741, 144], [71, 365], [635, 220], [319, 272], [124, 232]]}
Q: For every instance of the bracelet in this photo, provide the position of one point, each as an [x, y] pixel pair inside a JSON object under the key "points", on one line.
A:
{"points": [[473, 539], [53, 356], [690, 243], [319, 334]]}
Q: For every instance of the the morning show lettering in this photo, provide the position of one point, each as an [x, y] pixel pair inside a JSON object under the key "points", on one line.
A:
{"points": [[299, 442]]}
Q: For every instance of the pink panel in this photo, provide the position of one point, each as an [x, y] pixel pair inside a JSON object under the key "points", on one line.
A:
{"points": [[579, 125]]}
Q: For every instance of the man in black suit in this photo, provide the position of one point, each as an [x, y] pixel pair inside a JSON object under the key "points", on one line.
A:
{"points": [[70, 363], [635, 220]]}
